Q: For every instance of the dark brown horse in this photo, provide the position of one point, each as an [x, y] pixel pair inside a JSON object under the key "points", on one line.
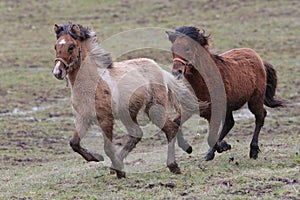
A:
{"points": [[246, 78], [103, 91]]}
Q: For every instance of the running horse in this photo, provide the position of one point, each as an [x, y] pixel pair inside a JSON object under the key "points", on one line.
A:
{"points": [[246, 78], [103, 91]]}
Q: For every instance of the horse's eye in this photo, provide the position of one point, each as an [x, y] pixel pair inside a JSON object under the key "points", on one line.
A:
{"points": [[71, 48]]}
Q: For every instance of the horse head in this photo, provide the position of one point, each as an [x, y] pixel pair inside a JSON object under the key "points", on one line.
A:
{"points": [[68, 49], [185, 40]]}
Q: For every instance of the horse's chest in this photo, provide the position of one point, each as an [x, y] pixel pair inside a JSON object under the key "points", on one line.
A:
{"points": [[84, 103]]}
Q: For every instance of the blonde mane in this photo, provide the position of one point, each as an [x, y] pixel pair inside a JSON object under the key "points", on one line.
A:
{"points": [[102, 58]]}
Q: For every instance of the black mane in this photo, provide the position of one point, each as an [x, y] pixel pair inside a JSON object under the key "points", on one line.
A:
{"points": [[193, 33], [66, 28]]}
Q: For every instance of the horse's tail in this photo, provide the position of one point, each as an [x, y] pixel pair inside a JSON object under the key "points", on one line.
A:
{"points": [[271, 87], [181, 96]]}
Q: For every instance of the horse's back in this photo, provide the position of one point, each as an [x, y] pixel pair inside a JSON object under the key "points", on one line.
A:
{"points": [[134, 84], [244, 74]]}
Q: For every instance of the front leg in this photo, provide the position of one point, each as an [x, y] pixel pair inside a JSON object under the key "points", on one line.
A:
{"points": [[81, 129], [219, 147], [88, 156]]}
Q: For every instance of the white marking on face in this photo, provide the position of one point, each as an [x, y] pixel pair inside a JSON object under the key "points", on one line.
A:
{"points": [[56, 68], [62, 41]]}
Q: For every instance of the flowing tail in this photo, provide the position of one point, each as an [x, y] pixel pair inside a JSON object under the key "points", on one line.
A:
{"points": [[271, 87], [180, 95]]}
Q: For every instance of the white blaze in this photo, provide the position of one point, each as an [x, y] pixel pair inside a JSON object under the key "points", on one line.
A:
{"points": [[56, 68], [62, 41]]}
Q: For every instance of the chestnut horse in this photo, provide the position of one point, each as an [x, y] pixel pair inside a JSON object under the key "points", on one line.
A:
{"points": [[246, 78], [102, 91]]}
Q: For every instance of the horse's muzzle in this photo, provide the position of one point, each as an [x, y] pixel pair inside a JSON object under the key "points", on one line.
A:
{"points": [[58, 75], [178, 74], [57, 72]]}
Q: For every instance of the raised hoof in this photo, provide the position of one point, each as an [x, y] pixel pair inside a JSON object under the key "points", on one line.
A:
{"points": [[120, 174], [112, 171], [254, 150], [223, 146], [174, 168], [189, 150], [209, 156]]}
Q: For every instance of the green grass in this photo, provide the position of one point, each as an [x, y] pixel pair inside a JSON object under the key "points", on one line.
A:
{"points": [[36, 117]]}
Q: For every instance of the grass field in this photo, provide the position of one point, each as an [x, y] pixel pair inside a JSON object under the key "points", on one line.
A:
{"points": [[36, 120]]}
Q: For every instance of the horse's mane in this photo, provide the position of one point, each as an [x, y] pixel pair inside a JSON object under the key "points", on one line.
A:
{"points": [[195, 34], [102, 58], [98, 55]]}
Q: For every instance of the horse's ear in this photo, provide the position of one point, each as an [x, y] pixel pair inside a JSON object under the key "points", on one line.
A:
{"points": [[56, 29], [75, 29], [171, 35]]}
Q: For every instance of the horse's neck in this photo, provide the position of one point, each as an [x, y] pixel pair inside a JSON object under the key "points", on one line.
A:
{"points": [[72, 77], [84, 82], [86, 74], [198, 84]]}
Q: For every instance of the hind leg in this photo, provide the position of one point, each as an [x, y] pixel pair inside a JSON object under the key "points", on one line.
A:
{"points": [[158, 117], [257, 108], [135, 135], [221, 145]]}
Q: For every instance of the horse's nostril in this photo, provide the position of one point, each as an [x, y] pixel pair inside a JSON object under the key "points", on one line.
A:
{"points": [[179, 71], [59, 74]]}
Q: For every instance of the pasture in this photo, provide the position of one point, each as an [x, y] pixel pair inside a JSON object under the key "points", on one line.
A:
{"points": [[36, 120]]}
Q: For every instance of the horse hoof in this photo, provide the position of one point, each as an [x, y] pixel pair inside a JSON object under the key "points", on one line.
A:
{"points": [[223, 146], [254, 150], [174, 168], [209, 156], [120, 174], [189, 150], [112, 171]]}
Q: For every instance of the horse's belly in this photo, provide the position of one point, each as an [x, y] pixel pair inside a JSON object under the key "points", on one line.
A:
{"points": [[239, 94]]}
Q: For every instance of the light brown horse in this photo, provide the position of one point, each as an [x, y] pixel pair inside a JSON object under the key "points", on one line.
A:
{"points": [[103, 91], [246, 78]]}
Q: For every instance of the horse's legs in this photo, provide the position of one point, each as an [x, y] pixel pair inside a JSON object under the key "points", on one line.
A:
{"points": [[106, 126], [221, 145], [182, 143], [135, 135], [257, 108], [158, 117], [81, 128], [170, 128]]}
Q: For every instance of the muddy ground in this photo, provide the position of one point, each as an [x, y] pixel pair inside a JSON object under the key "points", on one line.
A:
{"points": [[36, 120]]}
